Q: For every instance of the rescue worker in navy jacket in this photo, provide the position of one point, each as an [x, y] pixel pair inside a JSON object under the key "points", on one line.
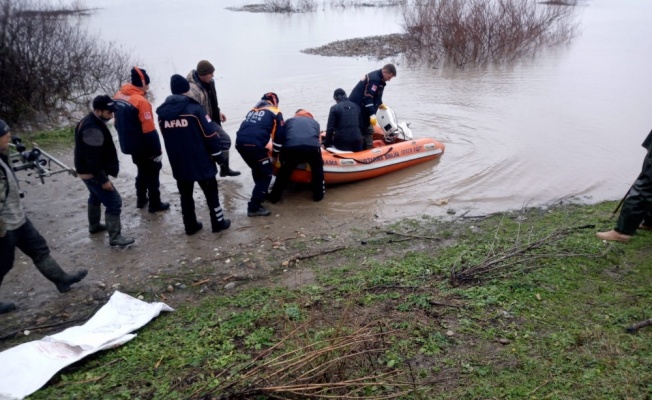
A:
{"points": [[138, 136], [343, 126], [193, 145], [368, 95], [261, 124], [95, 160], [299, 144], [637, 206]]}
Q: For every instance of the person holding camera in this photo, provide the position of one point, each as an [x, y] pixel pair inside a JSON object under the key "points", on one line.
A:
{"points": [[193, 143], [95, 160], [16, 230]]}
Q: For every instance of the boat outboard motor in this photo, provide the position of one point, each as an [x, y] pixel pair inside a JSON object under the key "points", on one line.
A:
{"points": [[391, 127]]}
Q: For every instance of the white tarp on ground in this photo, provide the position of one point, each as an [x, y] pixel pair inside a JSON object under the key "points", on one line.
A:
{"points": [[27, 367]]}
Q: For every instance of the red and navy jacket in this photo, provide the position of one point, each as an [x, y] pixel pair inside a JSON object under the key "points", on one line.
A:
{"points": [[134, 122], [191, 138], [368, 93], [261, 125]]}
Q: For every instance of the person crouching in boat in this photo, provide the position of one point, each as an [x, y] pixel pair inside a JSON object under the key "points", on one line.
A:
{"points": [[299, 144], [261, 124], [343, 127]]}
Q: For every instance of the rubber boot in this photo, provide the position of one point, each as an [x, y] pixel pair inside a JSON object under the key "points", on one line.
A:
{"points": [[114, 228], [94, 216], [224, 167], [51, 270], [7, 307]]}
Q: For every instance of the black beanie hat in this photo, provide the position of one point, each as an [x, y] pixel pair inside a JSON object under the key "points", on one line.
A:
{"points": [[139, 77], [179, 84], [271, 97], [339, 94], [4, 128]]}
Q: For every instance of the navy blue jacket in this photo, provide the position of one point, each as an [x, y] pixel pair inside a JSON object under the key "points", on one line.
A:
{"points": [[261, 124], [368, 93], [190, 138], [343, 123], [95, 152], [301, 133]]}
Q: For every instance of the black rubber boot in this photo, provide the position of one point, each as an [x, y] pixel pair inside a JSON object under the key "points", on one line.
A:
{"points": [[114, 227], [94, 216], [224, 167], [7, 307], [161, 206], [221, 225], [51, 270], [259, 212], [141, 202]]}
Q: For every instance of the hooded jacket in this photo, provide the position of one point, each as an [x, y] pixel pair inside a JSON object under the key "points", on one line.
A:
{"points": [[301, 133], [205, 94], [191, 138], [134, 122]]}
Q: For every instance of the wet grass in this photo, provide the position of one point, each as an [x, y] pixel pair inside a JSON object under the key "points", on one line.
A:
{"points": [[388, 312]]}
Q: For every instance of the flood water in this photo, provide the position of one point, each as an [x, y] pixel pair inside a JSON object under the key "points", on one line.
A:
{"points": [[566, 123]]}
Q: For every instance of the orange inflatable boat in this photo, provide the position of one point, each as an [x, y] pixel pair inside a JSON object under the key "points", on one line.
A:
{"points": [[394, 149]]}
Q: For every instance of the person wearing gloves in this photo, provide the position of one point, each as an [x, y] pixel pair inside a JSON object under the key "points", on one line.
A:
{"points": [[95, 160], [637, 205], [193, 143], [299, 143], [202, 89], [368, 95], [262, 123], [138, 136], [16, 230], [343, 126]]}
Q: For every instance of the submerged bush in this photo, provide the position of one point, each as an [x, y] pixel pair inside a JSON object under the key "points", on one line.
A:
{"points": [[481, 31], [49, 63]]}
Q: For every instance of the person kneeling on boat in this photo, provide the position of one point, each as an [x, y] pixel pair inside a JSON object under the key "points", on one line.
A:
{"points": [[343, 127], [299, 144]]}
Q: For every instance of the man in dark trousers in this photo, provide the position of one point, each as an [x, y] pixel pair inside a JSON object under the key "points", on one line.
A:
{"points": [[134, 122], [202, 89], [193, 144], [368, 95], [343, 126], [299, 144], [637, 208], [262, 123], [16, 230], [95, 160]]}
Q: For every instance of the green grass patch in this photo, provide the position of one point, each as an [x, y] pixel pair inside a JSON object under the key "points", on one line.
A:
{"points": [[526, 305]]}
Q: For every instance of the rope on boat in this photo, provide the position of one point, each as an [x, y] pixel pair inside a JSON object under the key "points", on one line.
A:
{"points": [[363, 161]]}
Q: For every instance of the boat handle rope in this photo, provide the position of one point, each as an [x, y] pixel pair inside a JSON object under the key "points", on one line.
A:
{"points": [[364, 161]]}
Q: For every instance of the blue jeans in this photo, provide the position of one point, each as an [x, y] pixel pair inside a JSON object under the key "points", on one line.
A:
{"points": [[27, 239], [109, 198]]}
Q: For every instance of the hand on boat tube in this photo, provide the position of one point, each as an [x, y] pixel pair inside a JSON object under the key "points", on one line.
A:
{"points": [[373, 119]]}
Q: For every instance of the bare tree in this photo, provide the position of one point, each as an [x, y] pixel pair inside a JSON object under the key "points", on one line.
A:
{"points": [[481, 31], [49, 63]]}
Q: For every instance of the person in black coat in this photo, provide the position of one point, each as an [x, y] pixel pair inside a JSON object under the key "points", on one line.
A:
{"points": [[262, 123], [368, 95], [193, 146], [299, 144], [95, 160], [343, 126], [637, 206]]}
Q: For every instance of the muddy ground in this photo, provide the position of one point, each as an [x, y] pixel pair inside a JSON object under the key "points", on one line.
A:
{"points": [[164, 264]]}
